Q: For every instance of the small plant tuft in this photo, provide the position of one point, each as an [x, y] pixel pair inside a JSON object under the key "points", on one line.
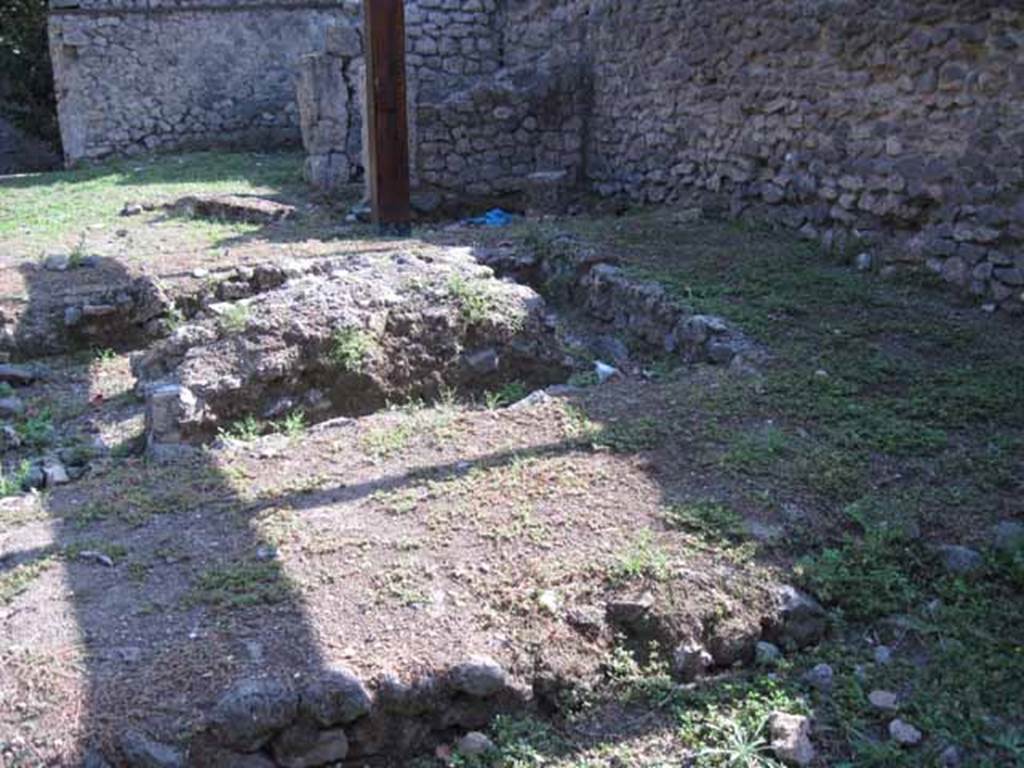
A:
{"points": [[642, 559], [235, 318], [245, 429], [37, 431], [294, 424], [475, 301], [351, 349], [13, 483], [710, 520], [511, 393]]}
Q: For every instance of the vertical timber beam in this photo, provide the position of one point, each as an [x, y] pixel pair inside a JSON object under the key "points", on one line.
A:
{"points": [[386, 115]]}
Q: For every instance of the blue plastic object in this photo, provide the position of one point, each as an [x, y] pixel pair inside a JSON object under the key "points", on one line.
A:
{"points": [[496, 217]]}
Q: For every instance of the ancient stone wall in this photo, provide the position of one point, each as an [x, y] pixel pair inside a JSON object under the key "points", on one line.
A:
{"points": [[134, 76], [900, 118], [478, 129], [892, 127]]}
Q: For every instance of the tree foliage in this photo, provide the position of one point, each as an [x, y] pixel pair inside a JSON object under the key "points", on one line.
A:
{"points": [[26, 76]]}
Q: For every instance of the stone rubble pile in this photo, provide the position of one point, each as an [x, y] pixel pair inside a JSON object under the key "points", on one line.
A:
{"points": [[378, 328]]}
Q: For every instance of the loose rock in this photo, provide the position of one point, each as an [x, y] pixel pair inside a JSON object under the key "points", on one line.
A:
{"points": [[54, 473], [248, 715], [767, 654], [820, 677], [1006, 535], [480, 677], [791, 738], [11, 407], [9, 438], [864, 262], [304, 746], [690, 661], [474, 744], [337, 697], [734, 641], [57, 262], [800, 620], [96, 557], [957, 559], [19, 375], [904, 734], [250, 209], [140, 751], [884, 699], [950, 757]]}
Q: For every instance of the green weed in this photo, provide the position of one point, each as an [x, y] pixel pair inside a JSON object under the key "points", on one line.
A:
{"points": [[756, 451], [37, 431], [16, 580], [866, 577], [103, 355], [649, 682], [13, 483], [294, 424], [235, 318], [475, 299], [643, 558], [351, 349], [38, 211], [710, 520], [740, 746], [387, 441], [510, 393], [245, 429]]}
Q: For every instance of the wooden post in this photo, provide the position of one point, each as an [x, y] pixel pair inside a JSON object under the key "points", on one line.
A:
{"points": [[387, 120]]}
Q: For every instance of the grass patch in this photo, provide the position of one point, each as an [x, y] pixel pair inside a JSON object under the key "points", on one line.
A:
{"points": [[643, 558], [756, 451], [246, 429], [725, 724], [294, 424], [15, 581], [37, 210], [37, 431], [476, 303], [383, 442], [519, 742], [401, 584], [649, 681], [709, 520], [868, 576], [240, 585], [625, 436], [13, 482]]}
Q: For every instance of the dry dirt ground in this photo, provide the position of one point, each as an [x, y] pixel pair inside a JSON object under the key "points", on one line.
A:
{"points": [[888, 423]]}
